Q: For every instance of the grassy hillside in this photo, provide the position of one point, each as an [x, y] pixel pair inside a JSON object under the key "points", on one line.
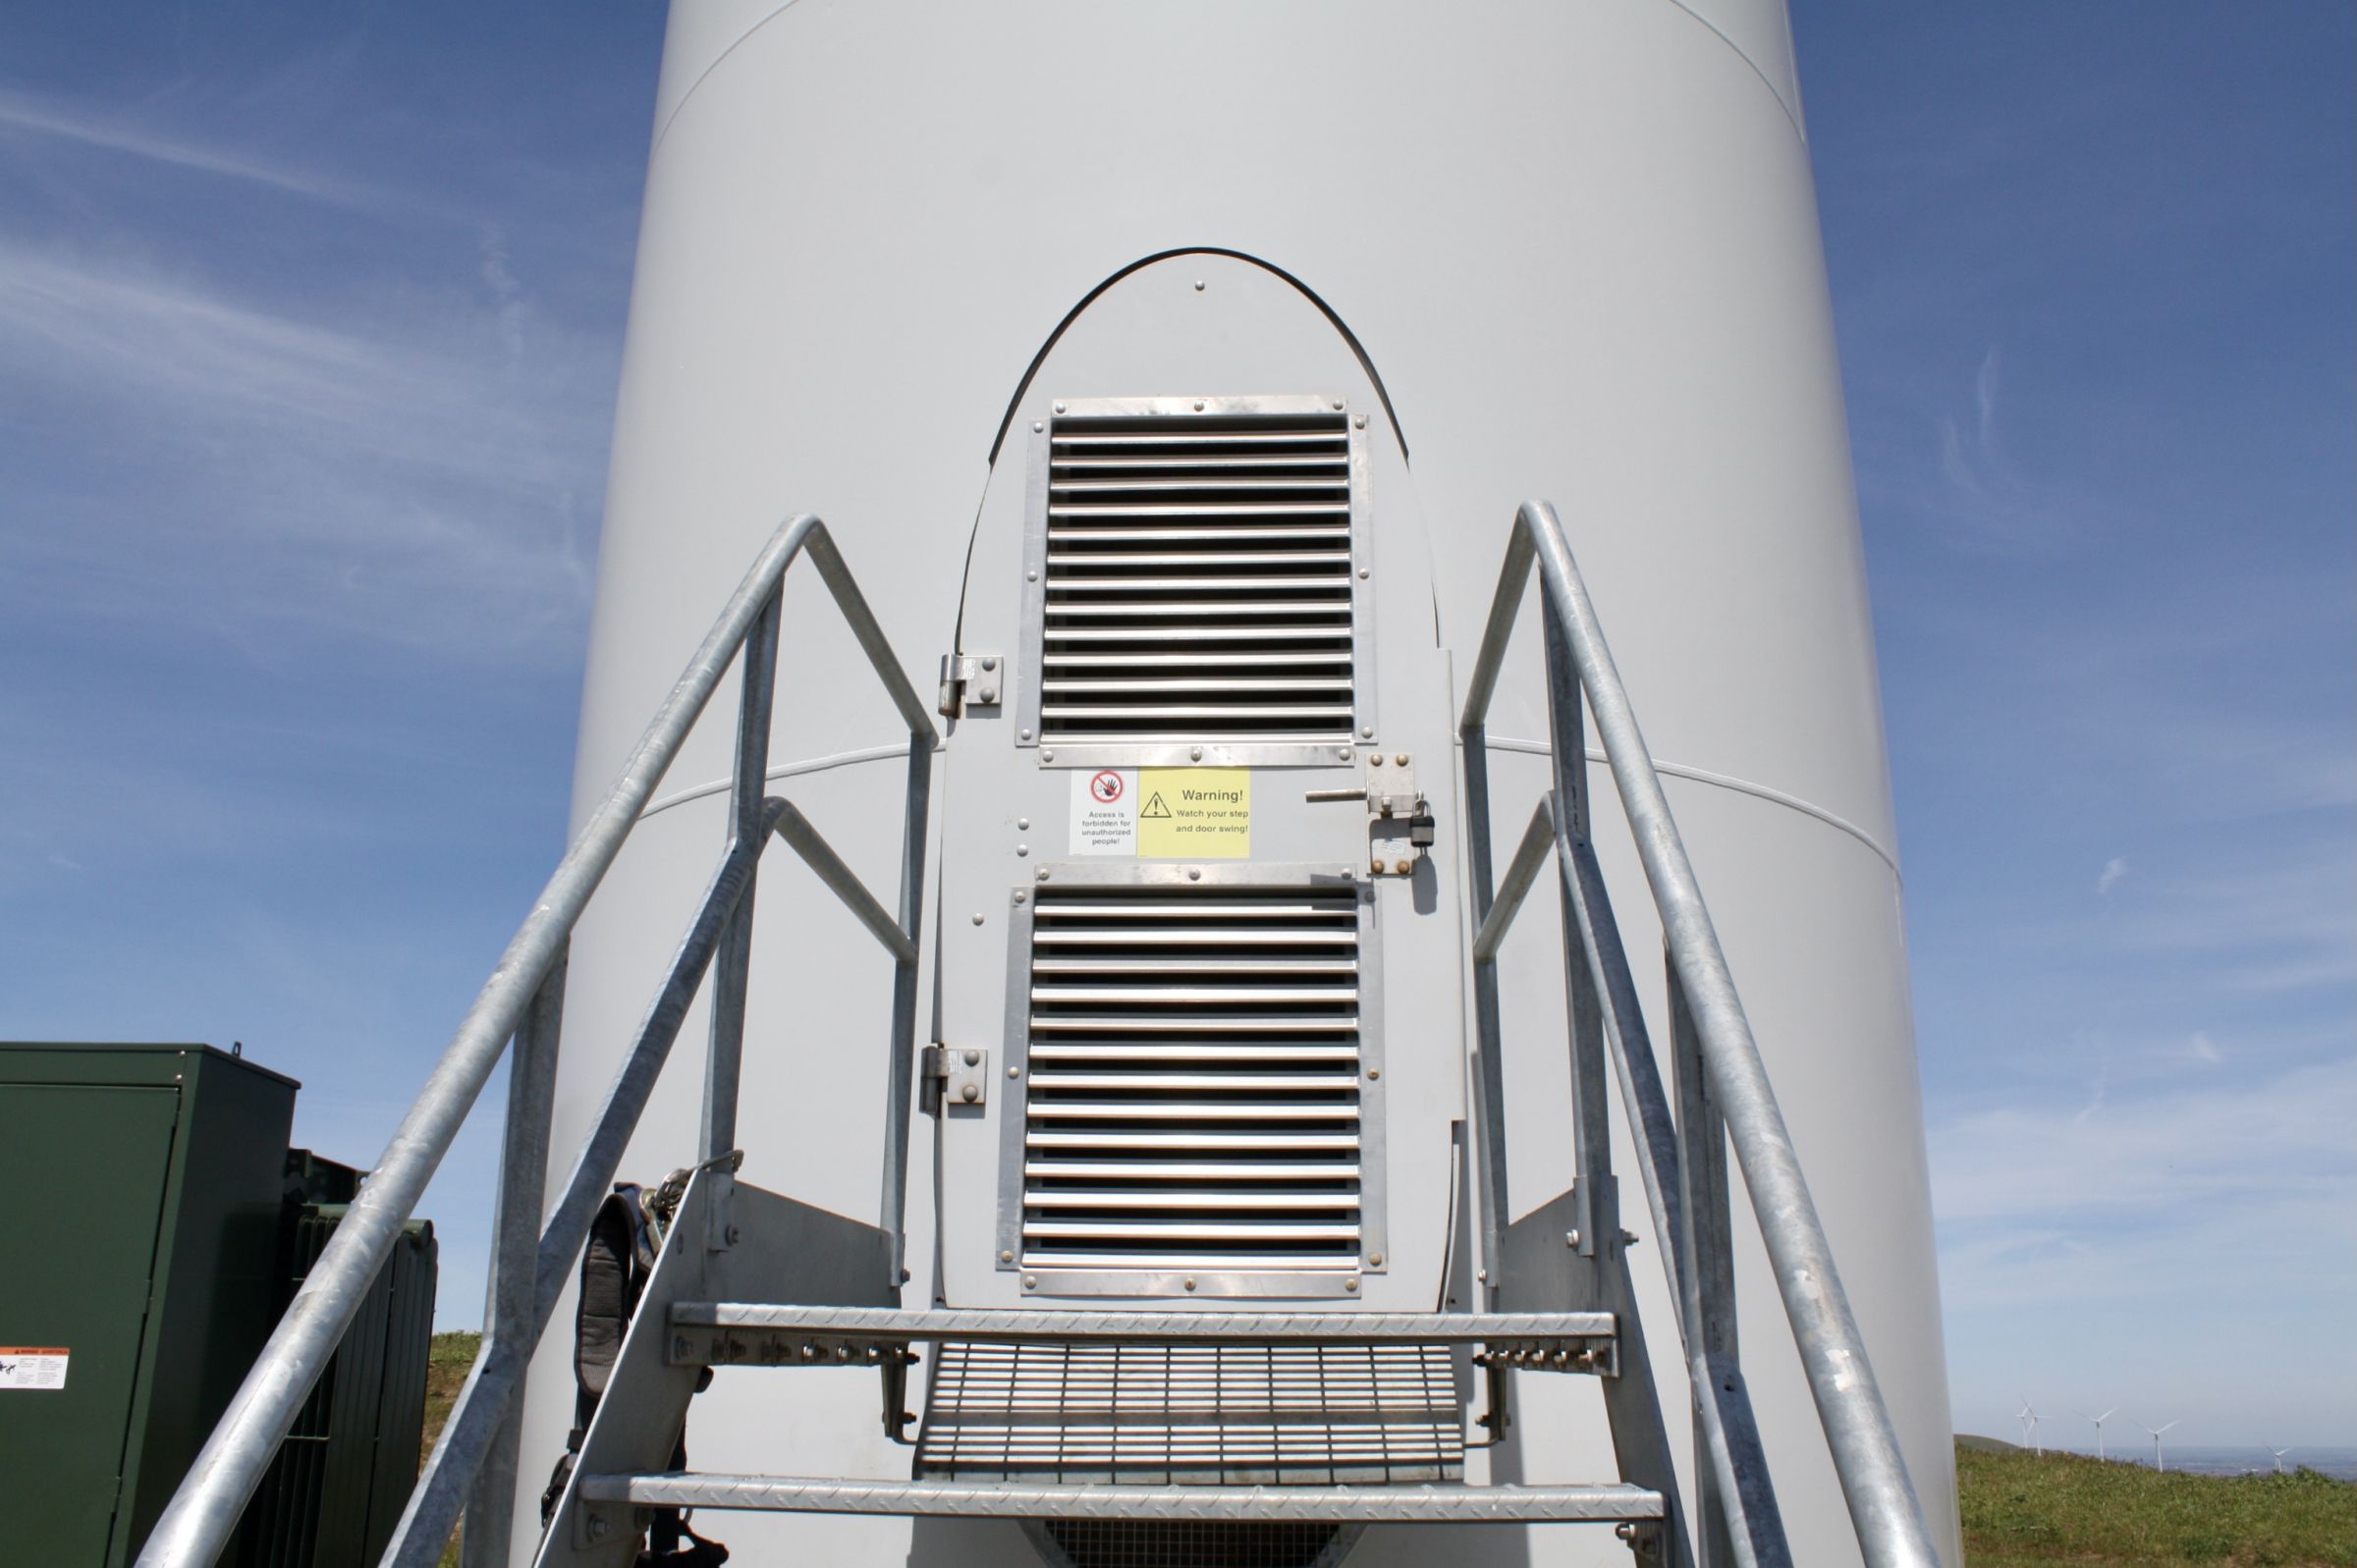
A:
{"points": [[2022, 1509], [446, 1369]]}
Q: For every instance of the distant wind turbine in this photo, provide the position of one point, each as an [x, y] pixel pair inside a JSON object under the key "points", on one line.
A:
{"points": [[2157, 1432], [2278, 1453], [2098, 1427], [2029, 1424]]}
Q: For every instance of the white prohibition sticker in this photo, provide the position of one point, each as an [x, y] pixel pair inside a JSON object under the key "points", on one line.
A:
{"points": [[1105, 811], [33, 1366]]}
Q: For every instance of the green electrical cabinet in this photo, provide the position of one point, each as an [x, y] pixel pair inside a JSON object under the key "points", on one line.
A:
{"points": [[145, 1189]]}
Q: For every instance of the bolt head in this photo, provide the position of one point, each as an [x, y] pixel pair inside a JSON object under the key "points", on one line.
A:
{"points": [[971, 1093], [1343, 753], [1047, 755], [1376, 865], [1022, 823], [1350, 1283], [1198, 406], [1059, 408], [1190, 1281], [1375, 1260], [1364, 573], [979, 917], [990, 664], [973, 1059], [1043, 873], [1023, 735], [1374, 1072], [1198, 286], [1403, 867], [1366, 731], [1014, 1072], [989, 694], [1195, 873], [1360, 423], [1337, 405], [1401, 759], [733, 1233], [1022, 848], [1039, 424], [1006, 1257], [1021, 897], [600, 1527], [1194, 753], [1032, 576], [1031, 1282]]}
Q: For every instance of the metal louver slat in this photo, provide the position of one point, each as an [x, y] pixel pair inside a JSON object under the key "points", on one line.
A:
{"points": [[1179, 547], [1196, 1090]]}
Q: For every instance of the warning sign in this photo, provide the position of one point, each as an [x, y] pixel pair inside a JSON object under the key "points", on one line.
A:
{"points": [[33, 1366], [1105, 812], [1194, 813]]}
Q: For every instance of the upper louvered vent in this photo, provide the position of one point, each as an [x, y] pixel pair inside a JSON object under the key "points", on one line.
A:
{"points": [[1194, 1087], [1198, 578]]}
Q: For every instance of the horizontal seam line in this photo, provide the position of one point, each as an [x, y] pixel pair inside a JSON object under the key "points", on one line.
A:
{"points": [[1725, 780], [783, 769]]}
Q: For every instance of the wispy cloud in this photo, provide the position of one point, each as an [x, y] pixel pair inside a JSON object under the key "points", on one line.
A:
{"points": [[2167, 1159], [2114, 870], [407, 443], [32, 118]]}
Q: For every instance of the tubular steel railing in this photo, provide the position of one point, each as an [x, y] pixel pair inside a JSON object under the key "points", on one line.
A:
{"points": [[473, 1464], [1721, 1082]]}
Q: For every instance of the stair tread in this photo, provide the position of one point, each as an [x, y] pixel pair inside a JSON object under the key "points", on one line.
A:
{"points": [[1015, 1324], [1528, 1502]]}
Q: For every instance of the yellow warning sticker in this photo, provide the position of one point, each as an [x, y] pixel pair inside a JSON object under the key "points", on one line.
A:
{"points": [[1194, 813]]}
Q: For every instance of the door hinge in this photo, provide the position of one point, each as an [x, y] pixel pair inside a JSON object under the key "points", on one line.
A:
{"points": [[973, 679], [953, 1075]]}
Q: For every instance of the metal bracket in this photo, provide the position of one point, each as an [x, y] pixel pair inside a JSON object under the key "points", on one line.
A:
{"points": [[954, 1076], [974, 678], [723, 1347], [1400, 829], [1600, 1357]]}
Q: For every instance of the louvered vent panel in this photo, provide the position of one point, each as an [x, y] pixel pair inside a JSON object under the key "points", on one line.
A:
{"points": [[1194, 1093], [1199, 579]]}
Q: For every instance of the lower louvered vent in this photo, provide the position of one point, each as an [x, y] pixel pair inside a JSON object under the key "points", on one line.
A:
{"points": [[1194, 1087], [1198, 581]]}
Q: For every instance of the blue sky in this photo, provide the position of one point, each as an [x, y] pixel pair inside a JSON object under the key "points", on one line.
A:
{"points": [[310, 321]]}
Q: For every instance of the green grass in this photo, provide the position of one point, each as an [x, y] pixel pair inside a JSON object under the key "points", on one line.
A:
{"points": [[447, 1365], [2022, 1509]]}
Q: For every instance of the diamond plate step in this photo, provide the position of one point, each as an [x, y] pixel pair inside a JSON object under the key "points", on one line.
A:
{"points": [[760, 1333], [1531, 1504]]}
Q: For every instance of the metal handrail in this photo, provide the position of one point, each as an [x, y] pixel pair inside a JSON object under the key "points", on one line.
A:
{"points": [[519, 1000], [1884, 1508]]}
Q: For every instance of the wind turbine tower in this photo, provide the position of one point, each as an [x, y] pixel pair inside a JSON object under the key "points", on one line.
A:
{"points": [[2029, 1424], [2278, 1455], [2157, 1432], [2098, 1427]]}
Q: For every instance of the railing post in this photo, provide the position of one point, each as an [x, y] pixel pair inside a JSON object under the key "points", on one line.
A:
{"points": [[901, 1095], [724, 1064], [508, 1317], [1708, 1246], [1591, 1118]]}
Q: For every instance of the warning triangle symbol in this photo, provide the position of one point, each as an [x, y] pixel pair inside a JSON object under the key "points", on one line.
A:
{"points": [[1155, 807]]}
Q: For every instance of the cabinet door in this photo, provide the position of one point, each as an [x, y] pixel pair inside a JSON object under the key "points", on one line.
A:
{"points": [[85, 1166]]}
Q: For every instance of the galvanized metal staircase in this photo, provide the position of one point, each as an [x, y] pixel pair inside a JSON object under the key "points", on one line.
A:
{"points": [[750, 1282]]}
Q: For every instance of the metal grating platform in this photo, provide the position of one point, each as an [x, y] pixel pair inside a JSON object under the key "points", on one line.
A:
{"points": [[1193, 1414]]}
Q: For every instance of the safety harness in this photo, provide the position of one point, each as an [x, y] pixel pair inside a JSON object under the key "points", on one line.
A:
{"points": [[625, 1239]]}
